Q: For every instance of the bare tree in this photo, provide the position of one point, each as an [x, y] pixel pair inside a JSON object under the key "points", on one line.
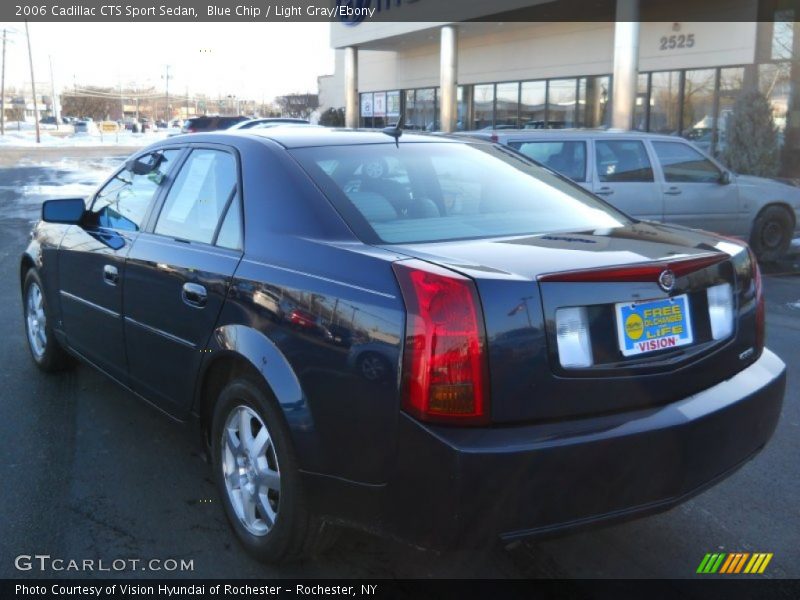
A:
{"points": [[297, 105]]}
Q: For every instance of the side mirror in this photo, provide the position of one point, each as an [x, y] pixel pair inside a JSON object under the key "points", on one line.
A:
{"points": [[725, 178], [68, 211]]}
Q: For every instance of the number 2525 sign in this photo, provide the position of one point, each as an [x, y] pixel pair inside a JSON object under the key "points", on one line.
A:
{"points": [[672, 42]]}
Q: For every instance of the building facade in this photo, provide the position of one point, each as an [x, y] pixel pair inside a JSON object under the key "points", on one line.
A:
{"points": [[643, 72]]}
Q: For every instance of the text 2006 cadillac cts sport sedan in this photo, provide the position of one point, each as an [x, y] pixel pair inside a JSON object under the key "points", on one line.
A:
{"points": [[423, 337]]}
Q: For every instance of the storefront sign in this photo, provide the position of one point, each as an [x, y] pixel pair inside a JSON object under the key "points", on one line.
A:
{"points": [[379, 105], [366, 105], [392, 104]]}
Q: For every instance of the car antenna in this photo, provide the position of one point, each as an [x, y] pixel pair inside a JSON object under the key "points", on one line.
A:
{"points": [[395, 131]]}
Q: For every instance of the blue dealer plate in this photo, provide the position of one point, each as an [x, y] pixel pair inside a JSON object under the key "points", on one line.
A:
{"points": [[653, 325]]}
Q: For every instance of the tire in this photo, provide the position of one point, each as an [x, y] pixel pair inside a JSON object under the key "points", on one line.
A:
{"points": [[45, 350], [257, 477], [772, 233]]}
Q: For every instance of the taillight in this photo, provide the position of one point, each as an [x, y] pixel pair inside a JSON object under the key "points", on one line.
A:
{"points": [[445, 369], [758, 284]]}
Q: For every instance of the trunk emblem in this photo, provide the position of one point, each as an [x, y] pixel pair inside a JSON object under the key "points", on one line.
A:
{"points": [[667, 280]]}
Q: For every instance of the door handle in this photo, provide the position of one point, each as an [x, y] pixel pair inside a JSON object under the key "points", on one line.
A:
{"points": [[194, 295], [673, 191], [604, 191], [110, 274]]}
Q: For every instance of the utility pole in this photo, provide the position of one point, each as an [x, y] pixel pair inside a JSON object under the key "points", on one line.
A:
{"points": [[3, 90], [33, 85], [54, 101], [167, 90], [187, 102]]}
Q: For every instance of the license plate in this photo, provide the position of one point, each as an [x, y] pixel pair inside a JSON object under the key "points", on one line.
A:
{"points": [[653, 325]]}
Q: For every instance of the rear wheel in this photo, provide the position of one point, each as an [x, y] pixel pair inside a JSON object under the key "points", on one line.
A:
{"points": [[258, 478], [45, 350], [772, 233]]}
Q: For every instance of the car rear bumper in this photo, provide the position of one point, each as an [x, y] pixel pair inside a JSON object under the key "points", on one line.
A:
{"points": [[452, 484]]}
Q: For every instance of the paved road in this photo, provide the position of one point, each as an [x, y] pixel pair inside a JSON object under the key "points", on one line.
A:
{"points": [[88, 471]]}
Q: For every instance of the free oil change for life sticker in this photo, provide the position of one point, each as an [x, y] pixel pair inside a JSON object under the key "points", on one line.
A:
{"points": [[653, 325]]}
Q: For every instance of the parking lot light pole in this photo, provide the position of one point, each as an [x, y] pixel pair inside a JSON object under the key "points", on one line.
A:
{"points": [[626, 63], [351, 87]]}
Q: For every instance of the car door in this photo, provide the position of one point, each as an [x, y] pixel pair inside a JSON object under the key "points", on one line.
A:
{"points": [[624, 177], [92, 262], [695, 192], [177, 276]]}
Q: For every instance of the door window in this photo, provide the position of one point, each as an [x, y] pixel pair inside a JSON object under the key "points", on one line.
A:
{"points": [[622, 161], [566, 158], [202, 191], [683, 164], [122, 202], [230, 234]]}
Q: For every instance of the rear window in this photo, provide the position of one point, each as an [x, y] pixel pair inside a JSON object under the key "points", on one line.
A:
{"points": [[426, 192], [567, 158]]}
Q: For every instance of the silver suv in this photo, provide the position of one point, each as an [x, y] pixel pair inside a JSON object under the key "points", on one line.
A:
{"points": [[666, 178]]}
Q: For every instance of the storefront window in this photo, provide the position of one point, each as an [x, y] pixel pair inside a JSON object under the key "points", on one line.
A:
{"points": [[698, 107], [483, 106], [774, 81], [640, 112], [533, 104], [561, 103], [665, 101], [392, 106], [730, 84], [593, 94], [507, 105], [410, 115], [426, 109], [367, 113], [783, 35], [464, 100]]}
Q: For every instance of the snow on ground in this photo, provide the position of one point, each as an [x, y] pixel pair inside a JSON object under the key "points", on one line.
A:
{"points": [[28, 139], [25, 187], [51, 138]]}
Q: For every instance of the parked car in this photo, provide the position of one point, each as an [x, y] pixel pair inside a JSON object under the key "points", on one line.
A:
{"points": [[666, 178], [200, 124], [269, 122], [642, 376], [84, 127]]}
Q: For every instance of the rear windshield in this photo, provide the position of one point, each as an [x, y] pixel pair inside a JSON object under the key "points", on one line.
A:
{"points": [[427, 192]]}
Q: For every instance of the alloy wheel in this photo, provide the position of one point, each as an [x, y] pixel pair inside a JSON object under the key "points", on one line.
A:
{"points": [[36, 321], [250, 469]]}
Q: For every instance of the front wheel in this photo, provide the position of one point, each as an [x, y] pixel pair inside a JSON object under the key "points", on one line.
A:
{"points": [[258, 478], [772, 233], [45, 350]]}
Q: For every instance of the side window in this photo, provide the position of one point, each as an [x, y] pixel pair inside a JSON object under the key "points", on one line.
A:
{"points": [[200, 194], [230, 234], [622, 161], [122, 202], [566, 158], [683, 164]]}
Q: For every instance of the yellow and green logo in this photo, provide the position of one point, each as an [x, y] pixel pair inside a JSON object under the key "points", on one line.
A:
{"points": [[735, 562]]}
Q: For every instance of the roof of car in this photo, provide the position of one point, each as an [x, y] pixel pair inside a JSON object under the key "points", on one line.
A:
{"points": [[562, 133], [300, 137]]}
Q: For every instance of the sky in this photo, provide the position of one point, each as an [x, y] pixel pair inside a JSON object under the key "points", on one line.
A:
{"points": [[250, 60]]}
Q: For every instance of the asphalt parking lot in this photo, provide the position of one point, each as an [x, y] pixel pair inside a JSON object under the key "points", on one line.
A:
{"points": [[88, 471]]}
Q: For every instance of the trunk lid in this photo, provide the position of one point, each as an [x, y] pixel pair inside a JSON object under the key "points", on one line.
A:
{"points": [[520, 298]]}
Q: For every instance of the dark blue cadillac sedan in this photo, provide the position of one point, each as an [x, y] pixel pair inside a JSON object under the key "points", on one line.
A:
{"points": [[432, 339]]}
